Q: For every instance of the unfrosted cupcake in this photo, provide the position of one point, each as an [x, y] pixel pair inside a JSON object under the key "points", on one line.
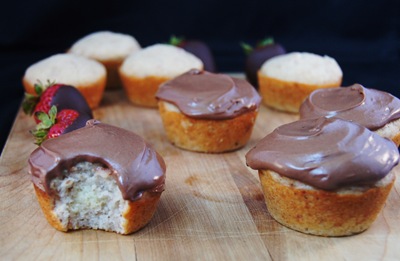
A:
{"points": [[324, 176], [143, 71], [207, 112], [110, 49], [376, 110], [286, 80], [87, 75]]}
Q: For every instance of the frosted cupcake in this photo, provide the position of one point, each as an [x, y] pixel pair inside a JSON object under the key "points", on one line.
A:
{"points": [[207, 112], [324, 176]]}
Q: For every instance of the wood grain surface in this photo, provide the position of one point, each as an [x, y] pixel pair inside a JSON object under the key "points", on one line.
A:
{"points": [[212, 208]]}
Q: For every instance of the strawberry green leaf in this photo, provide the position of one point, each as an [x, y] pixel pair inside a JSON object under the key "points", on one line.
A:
{"points": [[38, 88], [53, 113], [266, 41], [247, 48], [176, 41], [47, 120], [40, 136], [29, 103]]}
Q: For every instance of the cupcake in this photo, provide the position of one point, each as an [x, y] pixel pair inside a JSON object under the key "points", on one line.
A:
{"points": [[286, 80], [108, 48], [324, 176], [142, 72], [207, 112], [87, 75], [376, 110], [110, 179]]}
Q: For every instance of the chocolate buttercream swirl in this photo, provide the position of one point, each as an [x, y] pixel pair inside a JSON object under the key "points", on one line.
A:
{"points": [[369, 107], [135, 165], [205, 95], [327, 153]]}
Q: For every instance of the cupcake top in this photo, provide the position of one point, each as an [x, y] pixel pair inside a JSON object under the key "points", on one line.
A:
{"points": [[66, 68], [371, 108], [136, 166], [303, 67], [205, 95], [162, 60], [326, 153], [105, 46]]}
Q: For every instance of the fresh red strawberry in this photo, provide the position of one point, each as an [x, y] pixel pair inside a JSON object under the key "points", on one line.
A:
{"points": [[199, 48], [263, 51], [53, 124], [61, 95], [64, 119]]}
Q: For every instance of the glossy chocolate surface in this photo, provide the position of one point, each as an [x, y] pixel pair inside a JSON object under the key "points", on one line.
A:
{"points": [[326, 153], [68, 97], [369, 107], [135, 165], [205, 95]]}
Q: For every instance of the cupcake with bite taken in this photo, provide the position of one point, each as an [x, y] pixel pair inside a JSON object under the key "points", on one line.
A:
{"points": [[376, 110], [324, 176], [286, 80], [110, 179], [207, 112], [142, 72]]}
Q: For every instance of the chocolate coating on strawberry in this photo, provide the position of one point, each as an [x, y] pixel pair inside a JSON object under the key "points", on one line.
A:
{"points": [[68, 97], [200, 49], [264, 50], [60, 95]]}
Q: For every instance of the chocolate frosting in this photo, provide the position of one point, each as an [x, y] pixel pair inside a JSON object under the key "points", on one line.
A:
{"points": [[205, 95], [371, 108], [135, 165], [327, 153]]}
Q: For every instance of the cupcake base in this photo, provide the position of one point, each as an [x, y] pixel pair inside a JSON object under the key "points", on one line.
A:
{"points": [[323, 213], [142, 91], [391, 131], [287, 96], [135, 216], [202, 135]]}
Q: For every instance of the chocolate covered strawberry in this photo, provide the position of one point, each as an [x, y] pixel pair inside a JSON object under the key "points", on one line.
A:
{"points": [[199, 48], [54, 124], [255, 57], [61, 95]]}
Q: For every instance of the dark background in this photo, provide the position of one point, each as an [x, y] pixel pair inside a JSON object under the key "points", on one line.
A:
{"points": [[363, 36]]}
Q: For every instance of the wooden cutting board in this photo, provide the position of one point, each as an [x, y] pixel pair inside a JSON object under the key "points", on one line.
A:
{"points": [[212, 208]]}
